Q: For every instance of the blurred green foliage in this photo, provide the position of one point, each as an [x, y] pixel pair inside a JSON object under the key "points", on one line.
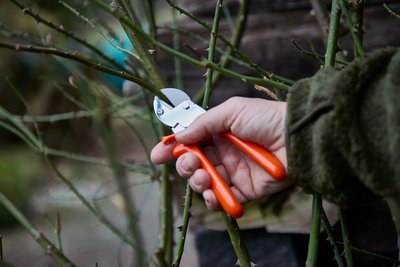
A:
{"points": [[14, 186]]}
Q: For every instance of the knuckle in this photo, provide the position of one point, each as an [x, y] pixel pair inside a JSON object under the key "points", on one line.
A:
{"points": [[235, 100], [187, 164], [198, 181]]}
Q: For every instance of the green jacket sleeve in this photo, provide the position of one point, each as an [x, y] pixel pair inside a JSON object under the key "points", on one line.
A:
{"points": [[344, 130]]}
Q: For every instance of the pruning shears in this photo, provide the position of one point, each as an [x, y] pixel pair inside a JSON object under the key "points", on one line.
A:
{"points": [[180, 116]]}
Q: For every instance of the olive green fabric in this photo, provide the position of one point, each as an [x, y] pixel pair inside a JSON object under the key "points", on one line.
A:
{"points": [[344, 130]]}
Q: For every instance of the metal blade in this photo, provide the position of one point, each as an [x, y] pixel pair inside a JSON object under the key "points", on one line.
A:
{"points": [[175, 96], [181, 115], [163, 109]]}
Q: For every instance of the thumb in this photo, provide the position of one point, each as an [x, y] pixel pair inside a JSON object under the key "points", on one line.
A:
{"points": [[215, 121]]}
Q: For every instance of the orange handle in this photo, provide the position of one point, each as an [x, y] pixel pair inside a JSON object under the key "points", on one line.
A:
{"points": [[260, 155], [222, 191]]}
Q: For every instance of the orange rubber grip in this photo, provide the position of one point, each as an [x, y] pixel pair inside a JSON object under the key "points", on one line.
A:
{"points": [[222, 191], [260, 155]]}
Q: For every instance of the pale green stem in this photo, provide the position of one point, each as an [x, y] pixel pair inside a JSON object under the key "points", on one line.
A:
{"points": [[354, 30], [139, 44], [345, 237], [313, 243], [331, 46], [228, 17], [231, 46], [109, 145], [211, 52], [149, 5], [357, 19], [238, 245], [86, 203], [166, 236], [185, 225], [235, 41], [92, 64], [97, 29], [372, 254], [391, 12], [138, 37], [315, 54], [322, 15], [331, 239], [50, 249], [176, 43]]}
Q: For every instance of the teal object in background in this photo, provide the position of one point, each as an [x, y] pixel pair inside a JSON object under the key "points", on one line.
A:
{"points": [[118, 56]]}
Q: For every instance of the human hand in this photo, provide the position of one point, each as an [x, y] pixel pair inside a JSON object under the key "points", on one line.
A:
{"points": [[257, 120]]}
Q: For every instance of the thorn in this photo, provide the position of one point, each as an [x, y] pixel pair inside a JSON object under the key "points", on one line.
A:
{"points": [[61, 27], [26, 10], [58, 223], [49, 38], [180, 228], [71, 81], [267, 91], [152, 51]]}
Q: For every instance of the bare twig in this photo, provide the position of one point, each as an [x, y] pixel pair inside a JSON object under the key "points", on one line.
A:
{"points": [[97, 29], [176, 43], [58, 230], [393, 261], [331, 46], [78, 58], [211, 53], [355, 31], [312, 253], [235, 41], [203, 63], [356, 8], [345, 237], [322, 15], [60, 28], [238, 245], [391, 11], [331, 239], [314, 54], [234, 49], [96, 99], [150, 12], [47, 246], [138, 37], [185, 225]]}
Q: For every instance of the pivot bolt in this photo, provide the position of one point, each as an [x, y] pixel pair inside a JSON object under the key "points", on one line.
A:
{"points": [[186, 105], [160, 111]]}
